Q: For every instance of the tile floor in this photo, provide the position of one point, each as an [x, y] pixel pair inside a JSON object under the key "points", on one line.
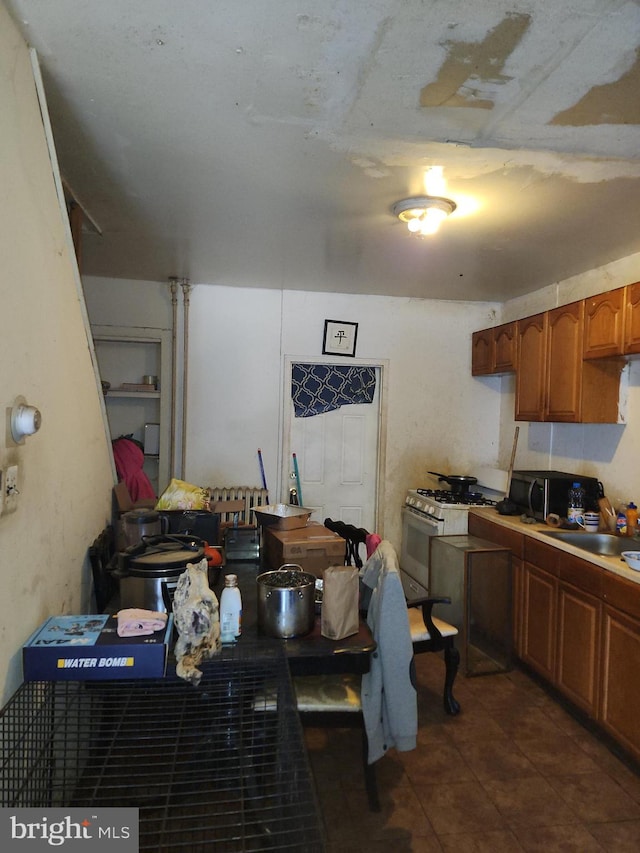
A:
{"points": [[514, 771]]}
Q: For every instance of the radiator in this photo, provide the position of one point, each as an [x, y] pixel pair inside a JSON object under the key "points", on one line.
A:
{"points": [[250, 495]]}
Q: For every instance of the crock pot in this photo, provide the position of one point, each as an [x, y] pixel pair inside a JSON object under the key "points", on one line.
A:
{"points": [[148, 572]]}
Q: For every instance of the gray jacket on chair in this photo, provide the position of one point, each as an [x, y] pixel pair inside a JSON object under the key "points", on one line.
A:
{"points": [[389, 700]]}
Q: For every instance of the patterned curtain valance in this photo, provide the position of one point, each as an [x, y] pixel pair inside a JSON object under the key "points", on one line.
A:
{"points": [[318, 388]]}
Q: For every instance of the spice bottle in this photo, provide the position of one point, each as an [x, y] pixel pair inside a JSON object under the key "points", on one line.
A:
{"points": [[230, 610], [632, 519], [575, 510]]}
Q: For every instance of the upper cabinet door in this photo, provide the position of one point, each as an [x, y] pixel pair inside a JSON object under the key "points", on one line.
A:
{"points": [[494, 350], [532, 363], [482, 352], [506, 348], [632, 319], [604, 324], [564, 348]]}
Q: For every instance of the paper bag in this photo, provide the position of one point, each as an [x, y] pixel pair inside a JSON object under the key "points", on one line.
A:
{"points": [[340, 617]]}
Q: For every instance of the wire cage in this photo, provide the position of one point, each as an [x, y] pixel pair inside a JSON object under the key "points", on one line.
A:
{"points": [[221, 766]]}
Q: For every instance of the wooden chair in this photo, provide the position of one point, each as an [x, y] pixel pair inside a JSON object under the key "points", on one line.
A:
{"points": [[428, 633], [102, 555]]}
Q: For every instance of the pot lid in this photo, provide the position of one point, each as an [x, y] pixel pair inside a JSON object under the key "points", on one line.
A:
{"points": [[166, 553]]}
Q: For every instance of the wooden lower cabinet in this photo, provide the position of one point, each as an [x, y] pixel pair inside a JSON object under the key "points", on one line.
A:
{"points": [[578, 626], [540, 591], [620, 679], [579, 621]]}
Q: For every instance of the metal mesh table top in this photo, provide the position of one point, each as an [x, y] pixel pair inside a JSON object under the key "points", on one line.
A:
{"points": [[221, 766]]}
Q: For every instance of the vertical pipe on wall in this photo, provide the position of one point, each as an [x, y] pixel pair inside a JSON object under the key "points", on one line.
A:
{"points": [[186, 290], [173, 286]]}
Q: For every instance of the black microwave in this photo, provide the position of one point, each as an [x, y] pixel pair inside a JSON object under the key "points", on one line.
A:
{"points": [[539, 493]]}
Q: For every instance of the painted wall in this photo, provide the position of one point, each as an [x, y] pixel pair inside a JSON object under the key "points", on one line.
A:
{"points": [[64, 470]]}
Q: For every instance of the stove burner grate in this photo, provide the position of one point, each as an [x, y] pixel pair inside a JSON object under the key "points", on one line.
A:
{"points": [[445, 496]]}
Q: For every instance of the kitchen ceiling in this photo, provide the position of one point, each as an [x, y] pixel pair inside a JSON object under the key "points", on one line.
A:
{"points": [[263, 143]]}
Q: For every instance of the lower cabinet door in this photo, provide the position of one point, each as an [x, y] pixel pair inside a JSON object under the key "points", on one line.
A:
{"points": [[579, 620], [539, 620], [620, 699]]}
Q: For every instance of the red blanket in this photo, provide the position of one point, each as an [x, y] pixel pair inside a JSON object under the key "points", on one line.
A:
{"points": [[129, 460]]}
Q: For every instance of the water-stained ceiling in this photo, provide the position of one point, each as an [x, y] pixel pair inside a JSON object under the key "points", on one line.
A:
{"points": [[263, 142]]}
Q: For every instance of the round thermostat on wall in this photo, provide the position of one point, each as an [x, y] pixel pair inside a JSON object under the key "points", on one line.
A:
{"points": [[25, 420]]}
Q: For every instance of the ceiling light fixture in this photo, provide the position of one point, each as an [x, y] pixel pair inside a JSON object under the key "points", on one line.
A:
{"points": [[423, 214]]}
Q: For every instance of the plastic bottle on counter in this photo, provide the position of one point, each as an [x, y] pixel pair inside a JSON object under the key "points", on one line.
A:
{"points": [[632, 519], [621, 520], [575, 511], [230, 610]]}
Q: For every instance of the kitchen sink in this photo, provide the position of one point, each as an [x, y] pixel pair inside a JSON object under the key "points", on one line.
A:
{"points": [[605, 544]]}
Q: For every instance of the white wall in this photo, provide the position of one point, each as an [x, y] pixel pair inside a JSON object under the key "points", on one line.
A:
{"points": [[607, 451], [64, 470]]}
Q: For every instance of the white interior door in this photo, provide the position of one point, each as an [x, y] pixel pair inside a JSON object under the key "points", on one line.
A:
{"points": [[337, 455]]}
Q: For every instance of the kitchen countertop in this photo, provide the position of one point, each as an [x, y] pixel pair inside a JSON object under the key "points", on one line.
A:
{"points": [[539, 531]]}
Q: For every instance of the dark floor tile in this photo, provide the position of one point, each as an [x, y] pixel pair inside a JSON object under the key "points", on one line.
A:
{"points": [[595, 798], [556, 754], [476, 725], [437, 763], [496, 759], [401, 816], [459, 807], [492, 779], [529, 721], [569, 839], [498, 841], [621, 837], [529, 801]]}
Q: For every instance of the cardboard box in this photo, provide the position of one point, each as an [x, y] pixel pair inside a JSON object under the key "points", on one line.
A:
{"points": [[88, 648], [313, 547]]}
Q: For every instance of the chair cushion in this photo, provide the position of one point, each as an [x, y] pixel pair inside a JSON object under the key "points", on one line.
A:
{"points": [[340, 692], [419, 630]]}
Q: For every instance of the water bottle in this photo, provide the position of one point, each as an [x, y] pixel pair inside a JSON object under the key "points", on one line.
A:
{"points": [[575, 512], [230, 610]]}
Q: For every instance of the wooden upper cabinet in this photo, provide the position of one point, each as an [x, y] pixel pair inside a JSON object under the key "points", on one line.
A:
{"points": [[553, 383], [532, 368], [482, 352], [494, 350], [506, 348], [604, 324], [632, 319], [564, 363]]}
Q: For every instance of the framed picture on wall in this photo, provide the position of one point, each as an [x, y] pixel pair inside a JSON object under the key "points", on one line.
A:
{"points": [[339, 338]]}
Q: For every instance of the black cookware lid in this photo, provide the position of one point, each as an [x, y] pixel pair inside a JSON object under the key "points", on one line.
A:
{"points": [[166, 552]]}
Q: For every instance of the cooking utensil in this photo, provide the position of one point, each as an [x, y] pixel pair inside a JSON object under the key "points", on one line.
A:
{"points": [[506, 506], [286, 601], [459, 484], [282, 516], [148, 572]]}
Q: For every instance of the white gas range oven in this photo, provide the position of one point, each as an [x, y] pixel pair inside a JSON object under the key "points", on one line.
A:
{"points": [[432, 512]]}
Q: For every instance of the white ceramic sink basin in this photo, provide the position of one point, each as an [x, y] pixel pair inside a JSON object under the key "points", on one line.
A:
{"points": [[604, 544]]}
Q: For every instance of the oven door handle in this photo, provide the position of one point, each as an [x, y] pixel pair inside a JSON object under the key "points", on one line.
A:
{"points": [[425, 519]]}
